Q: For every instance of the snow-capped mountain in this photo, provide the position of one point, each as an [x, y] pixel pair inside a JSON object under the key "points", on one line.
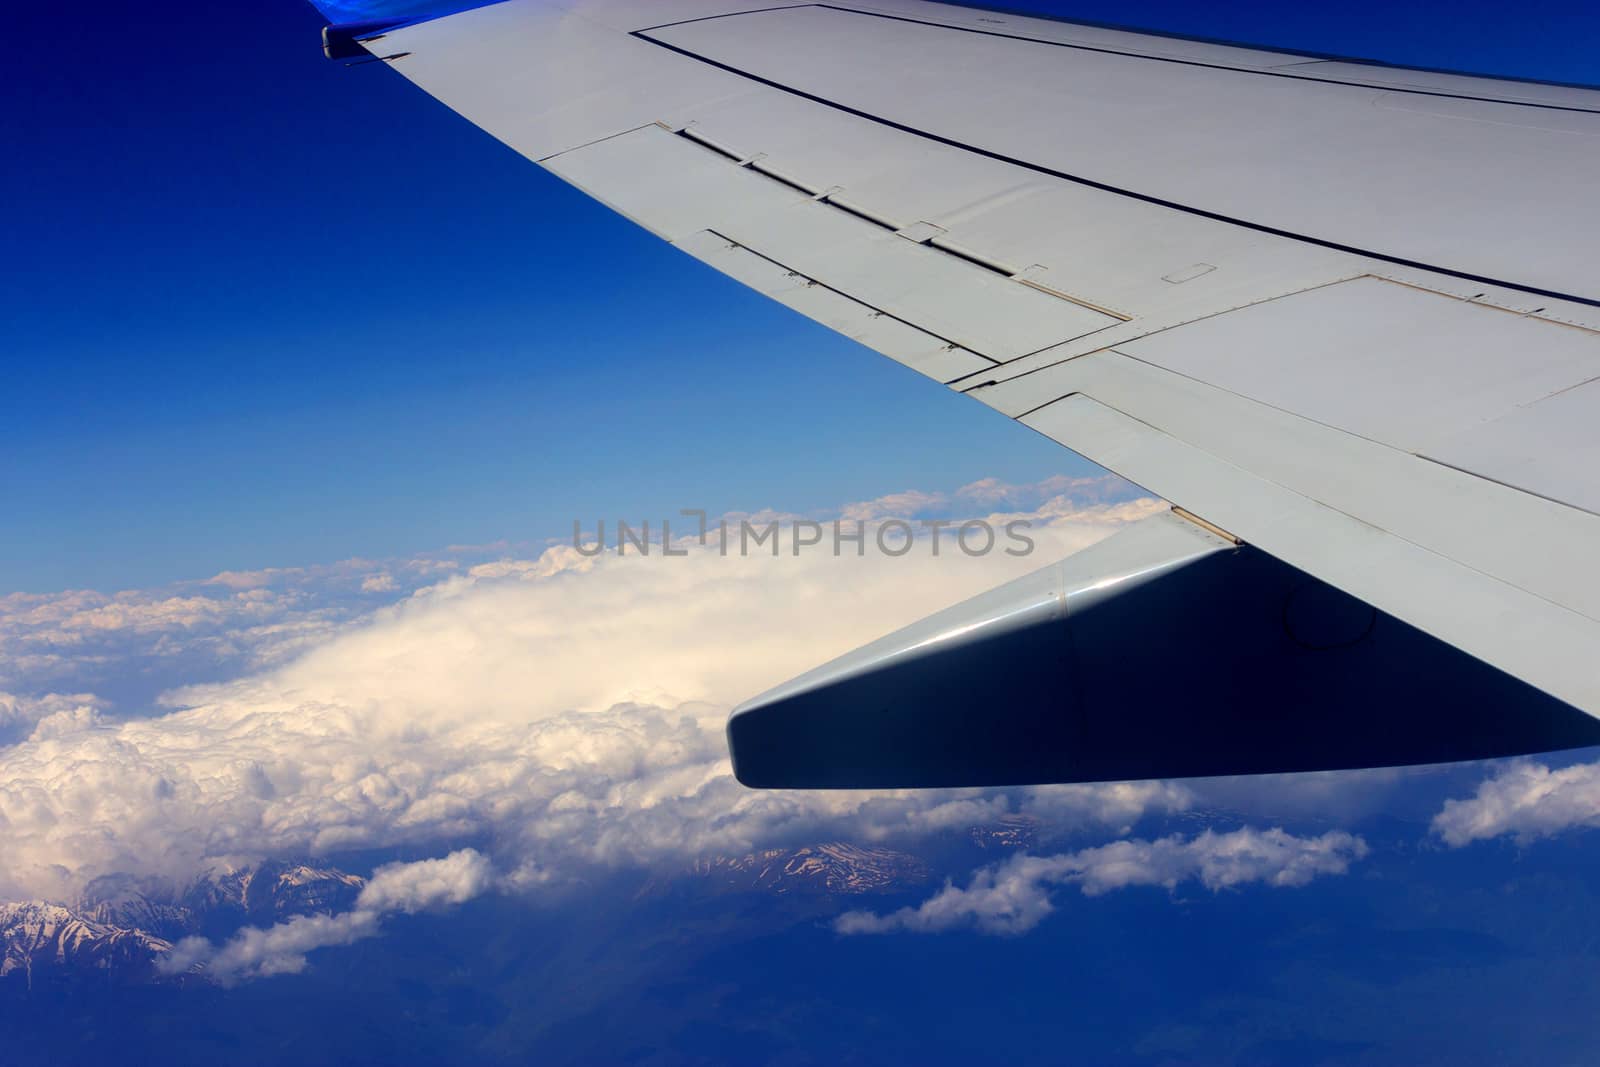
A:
{"points": [[833, 868], [121, 924], [273, 891], [38, 939], [129, 903], [227, 896]]}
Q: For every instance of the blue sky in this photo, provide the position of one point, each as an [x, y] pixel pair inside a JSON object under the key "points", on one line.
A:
{"points": [[280, 311], [276, 311]]}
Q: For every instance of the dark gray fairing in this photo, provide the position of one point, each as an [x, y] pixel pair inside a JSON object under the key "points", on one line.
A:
{"points": [[345, 40], [1187, 656]]}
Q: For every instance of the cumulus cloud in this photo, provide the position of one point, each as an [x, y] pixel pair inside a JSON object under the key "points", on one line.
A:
{"points": [[46, 714], [397, 888], [67, 721], [897, 505], [126, 646], [252, 579], [105, 641], [379, 583], [559, 711], [991, 492], [19, 711], [1525, 799], [1015, 896]]}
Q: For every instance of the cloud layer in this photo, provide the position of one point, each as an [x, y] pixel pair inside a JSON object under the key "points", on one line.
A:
{"points": [[1015, 896], [555, 711]]}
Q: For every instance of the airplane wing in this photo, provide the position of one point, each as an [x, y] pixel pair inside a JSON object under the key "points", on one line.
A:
{"points": [[1344, 316]]}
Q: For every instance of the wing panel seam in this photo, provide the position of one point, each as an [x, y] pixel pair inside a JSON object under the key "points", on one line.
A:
{"points": [[1091, 183], [734, 243]]}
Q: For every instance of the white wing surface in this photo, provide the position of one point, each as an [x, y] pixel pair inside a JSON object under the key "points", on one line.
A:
{"points": [[1349, 315]]}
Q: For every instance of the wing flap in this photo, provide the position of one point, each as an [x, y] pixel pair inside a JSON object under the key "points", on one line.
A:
{"points": [[971, 305], [933, 356], [670, 185], [676, 186]]}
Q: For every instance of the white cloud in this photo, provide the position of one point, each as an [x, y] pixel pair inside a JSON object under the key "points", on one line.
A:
{"points": [[236, 620], [65, 722], [899, 505], [989, 492], [21, 711], [83, 637], [414, 887], [568, 710], [1015, 896], [379, 583], [252, 579], [259, 953], [1073, 493], [398, 888], [1524, 799]]}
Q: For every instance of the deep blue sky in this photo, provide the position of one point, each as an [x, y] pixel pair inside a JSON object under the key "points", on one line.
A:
{"points": [[263, 309]]}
